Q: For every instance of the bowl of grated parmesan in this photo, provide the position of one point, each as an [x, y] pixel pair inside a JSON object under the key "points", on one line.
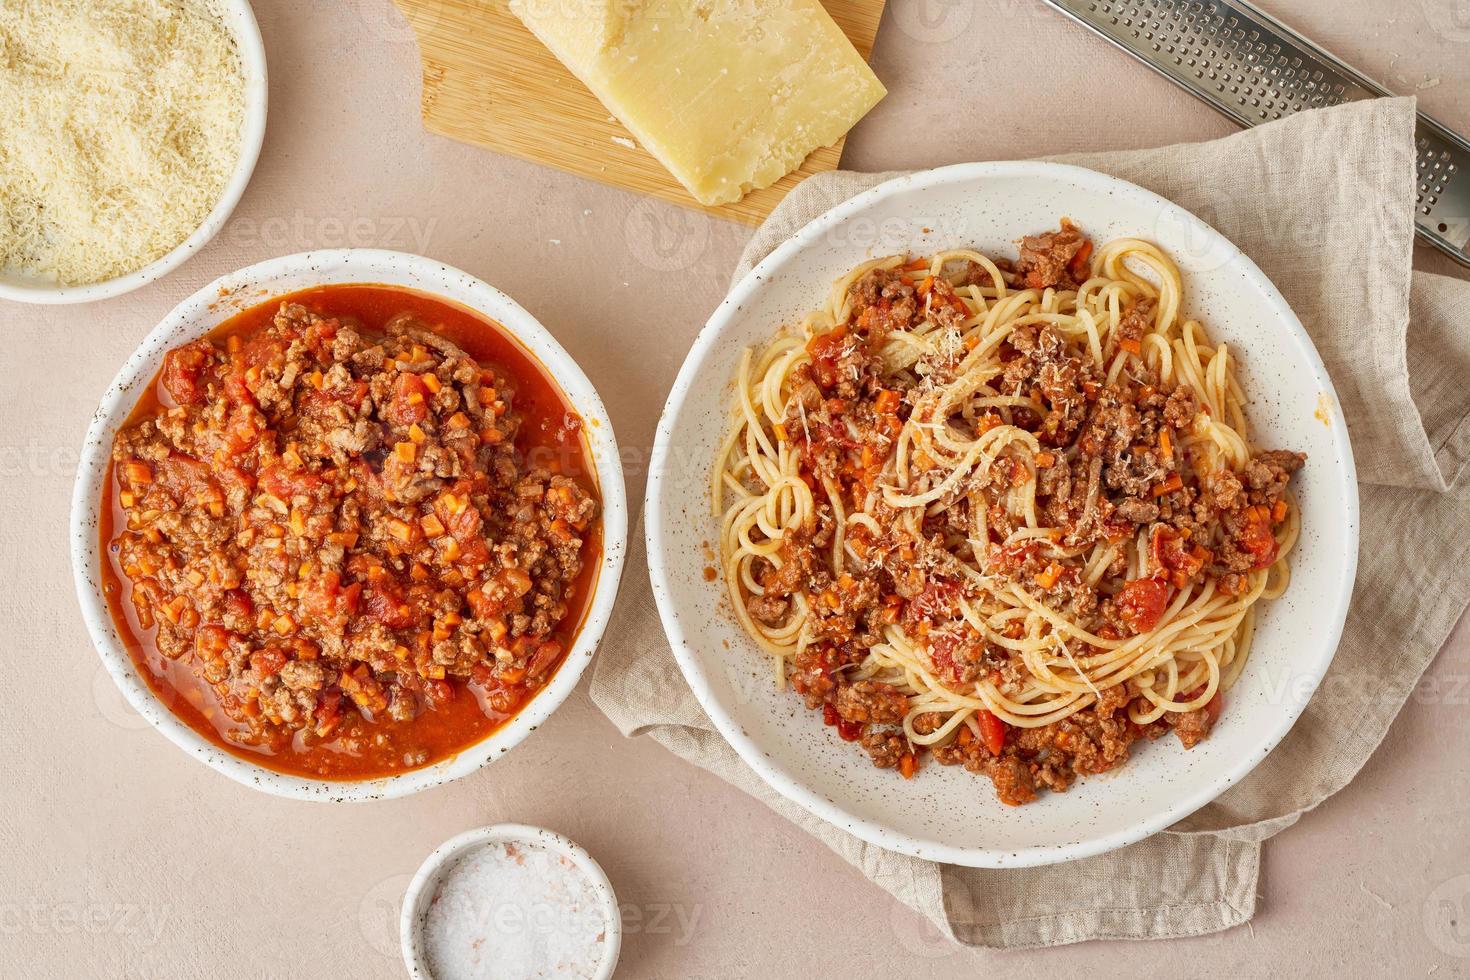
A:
{"points": [[131, 130]]}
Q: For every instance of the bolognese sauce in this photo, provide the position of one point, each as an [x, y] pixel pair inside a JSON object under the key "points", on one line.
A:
{"points": [[351, 532], [1003, 513]]}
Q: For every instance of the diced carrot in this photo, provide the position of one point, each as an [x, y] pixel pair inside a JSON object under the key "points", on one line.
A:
{"points": [[431, 381], [908, 765], [1045, 460], [993, 731], [1278, 511], [1079, 265], [887, 402], [781, 432], [1165, 445], [1168, 486], [406, 452], [1048, 577], [1130, 345]]}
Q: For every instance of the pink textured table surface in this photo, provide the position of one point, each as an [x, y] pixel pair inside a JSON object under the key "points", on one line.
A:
{"points": [[123, 856]]}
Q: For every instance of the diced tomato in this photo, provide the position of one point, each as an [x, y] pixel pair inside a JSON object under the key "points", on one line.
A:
{"points": [[1141, 602], [348, 393], [545, 658], [268, 661], [992, 731], [278, 481], [210, 641], [826, 350], [1078, 267], [438, 692], [236, 390], [484, 604], [243, 430], [939, 600], [328, 711], [262, 350], [1214, 706], [231, 475], [325, 598], [183, 476], [410, 401], [382, 603], [237, 602], [183, 370], [848, 731], [1167, 548], [1258, 539]]}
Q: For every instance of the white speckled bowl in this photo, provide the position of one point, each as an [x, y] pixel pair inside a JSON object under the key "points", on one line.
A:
{"points": [[947, 814], [420, 892], [240, 19], [210, 307]]}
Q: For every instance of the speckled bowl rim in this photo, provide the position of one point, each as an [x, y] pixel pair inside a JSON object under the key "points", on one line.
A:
{"points": [[240, 19], [219, 300], [1314, 662], [420, 889]]}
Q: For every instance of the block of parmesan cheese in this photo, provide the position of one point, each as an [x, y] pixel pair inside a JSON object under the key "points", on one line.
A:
{"points": [[730, 95]]}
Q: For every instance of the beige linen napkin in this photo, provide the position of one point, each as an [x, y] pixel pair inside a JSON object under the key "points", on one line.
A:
{"points": [[1323, 202]]}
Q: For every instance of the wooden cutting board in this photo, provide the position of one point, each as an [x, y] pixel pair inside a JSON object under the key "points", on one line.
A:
{"points": [[488, 80]]}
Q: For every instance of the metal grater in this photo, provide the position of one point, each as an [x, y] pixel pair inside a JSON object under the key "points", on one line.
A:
{"points": [[1254, 69]]}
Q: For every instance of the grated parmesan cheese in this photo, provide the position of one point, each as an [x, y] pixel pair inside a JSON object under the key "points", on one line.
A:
{"points": [[119, 128]]}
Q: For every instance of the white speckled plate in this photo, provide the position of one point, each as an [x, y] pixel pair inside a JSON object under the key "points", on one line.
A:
{"points": [[947, 814], [221, 300]]}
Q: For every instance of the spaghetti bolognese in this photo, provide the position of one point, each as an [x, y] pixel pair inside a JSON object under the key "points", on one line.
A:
{"points": [[1004, 514]]}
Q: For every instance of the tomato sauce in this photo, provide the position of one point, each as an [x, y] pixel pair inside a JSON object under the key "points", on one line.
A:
{"points": [[363, 748]]}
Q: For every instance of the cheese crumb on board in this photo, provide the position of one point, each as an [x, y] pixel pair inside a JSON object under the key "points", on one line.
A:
{"points": [[730, 95], [121, 126]]}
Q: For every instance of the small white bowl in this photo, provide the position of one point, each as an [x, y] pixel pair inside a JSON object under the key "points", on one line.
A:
{"points": [[207, 309], [240, 19], [420, 894]]}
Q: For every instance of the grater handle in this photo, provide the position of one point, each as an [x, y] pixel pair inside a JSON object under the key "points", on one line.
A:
{"points": [[1254, 69]]}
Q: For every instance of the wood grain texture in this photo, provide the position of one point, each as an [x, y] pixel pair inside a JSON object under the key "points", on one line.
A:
{"points": [[489, 81]]}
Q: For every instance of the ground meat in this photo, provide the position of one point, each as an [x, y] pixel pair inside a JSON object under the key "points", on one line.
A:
{"points": [[768, 609], [1181, 408], [886, 746], [814, 670], [1267, 474], [872, 702], [1014, 782], [1192, 727], [883, 301], [328, 535], [1137, 321], [1222, 492], [1137, 511], [1045, 257], [1044, 362]]}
